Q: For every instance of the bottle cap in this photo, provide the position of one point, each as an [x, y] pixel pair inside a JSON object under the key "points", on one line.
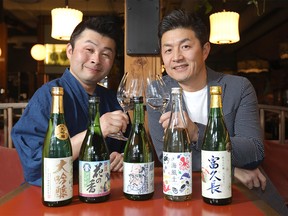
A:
{"points": [[94, 99], [57, 91], [176, 90], [215, 90], [137, 99]]}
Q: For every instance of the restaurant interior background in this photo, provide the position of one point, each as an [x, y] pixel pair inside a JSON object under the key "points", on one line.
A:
{"points": [[261, 55]]}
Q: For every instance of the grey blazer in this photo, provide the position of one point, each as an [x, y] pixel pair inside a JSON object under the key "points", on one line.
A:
{"points": [[240, 109]]}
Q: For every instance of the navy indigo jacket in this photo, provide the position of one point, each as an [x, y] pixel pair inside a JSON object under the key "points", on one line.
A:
{"points": [[29, 132]]}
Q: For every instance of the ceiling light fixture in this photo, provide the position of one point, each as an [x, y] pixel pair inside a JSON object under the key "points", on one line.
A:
{"points": [[224, 27], [64, 20], [283, 48], [253, 66], [38, 52]]}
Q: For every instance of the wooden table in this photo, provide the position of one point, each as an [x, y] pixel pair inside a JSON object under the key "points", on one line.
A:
{"points": [[26, 200]]}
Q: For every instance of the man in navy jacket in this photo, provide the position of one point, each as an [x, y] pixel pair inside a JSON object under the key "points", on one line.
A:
{"points": [[91, 52]]}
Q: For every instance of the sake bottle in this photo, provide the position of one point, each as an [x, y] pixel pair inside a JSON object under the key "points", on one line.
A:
{"points": [[57, 162], [177, 154], [216, 155], [94, 160], [138, 172]]}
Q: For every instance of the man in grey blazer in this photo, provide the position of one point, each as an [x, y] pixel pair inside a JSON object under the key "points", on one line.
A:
{"points": [[183, 40]]}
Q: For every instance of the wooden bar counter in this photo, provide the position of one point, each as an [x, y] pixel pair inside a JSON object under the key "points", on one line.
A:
{"points": [[26, 200]]}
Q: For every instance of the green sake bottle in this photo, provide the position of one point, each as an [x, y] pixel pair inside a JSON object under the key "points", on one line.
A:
{"points": [[138, 172], [57, 162], [94, 160], [216, 155]]}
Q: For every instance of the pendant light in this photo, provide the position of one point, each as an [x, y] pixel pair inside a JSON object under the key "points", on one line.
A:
{"points": [[64, 20], [253, 66], [224, 27], [38, 52]]}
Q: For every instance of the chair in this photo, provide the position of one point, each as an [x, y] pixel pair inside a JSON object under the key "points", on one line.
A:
{"points": [[11, 170], [9, 112], [276, 167], [276, 151], [281, 113]]}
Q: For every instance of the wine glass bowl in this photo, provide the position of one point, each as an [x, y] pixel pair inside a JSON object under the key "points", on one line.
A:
{"points": [[157, 94], [123, 93], [124, 100], [128, 88]]}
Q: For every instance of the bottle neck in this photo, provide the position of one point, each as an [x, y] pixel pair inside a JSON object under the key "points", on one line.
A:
{"points": [[215, 106], [176, 102], [57, 104], [94, 114], [177, 118], [216, 101], [138, 113]]}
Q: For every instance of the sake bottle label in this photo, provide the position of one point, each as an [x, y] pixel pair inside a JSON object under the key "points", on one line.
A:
{"points": [[61, 132], [216, 174], [138, 178], [177, 173], [58, 179], [94, 178]]}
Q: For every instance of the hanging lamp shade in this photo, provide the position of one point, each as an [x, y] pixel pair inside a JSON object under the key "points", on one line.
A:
{"points": [[253, 66], [283, 48], [224, 27], [38, 52], [64, 20]]}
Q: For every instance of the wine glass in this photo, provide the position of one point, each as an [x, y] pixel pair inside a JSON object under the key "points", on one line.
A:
{"points": [[124, 93], [125, 101], [157, 94]]}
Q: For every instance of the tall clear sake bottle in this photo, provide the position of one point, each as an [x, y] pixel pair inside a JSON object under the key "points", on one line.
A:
{"points": [[94, 163], [177, 154], [216, 155], [57, 162], [138, 173]]}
